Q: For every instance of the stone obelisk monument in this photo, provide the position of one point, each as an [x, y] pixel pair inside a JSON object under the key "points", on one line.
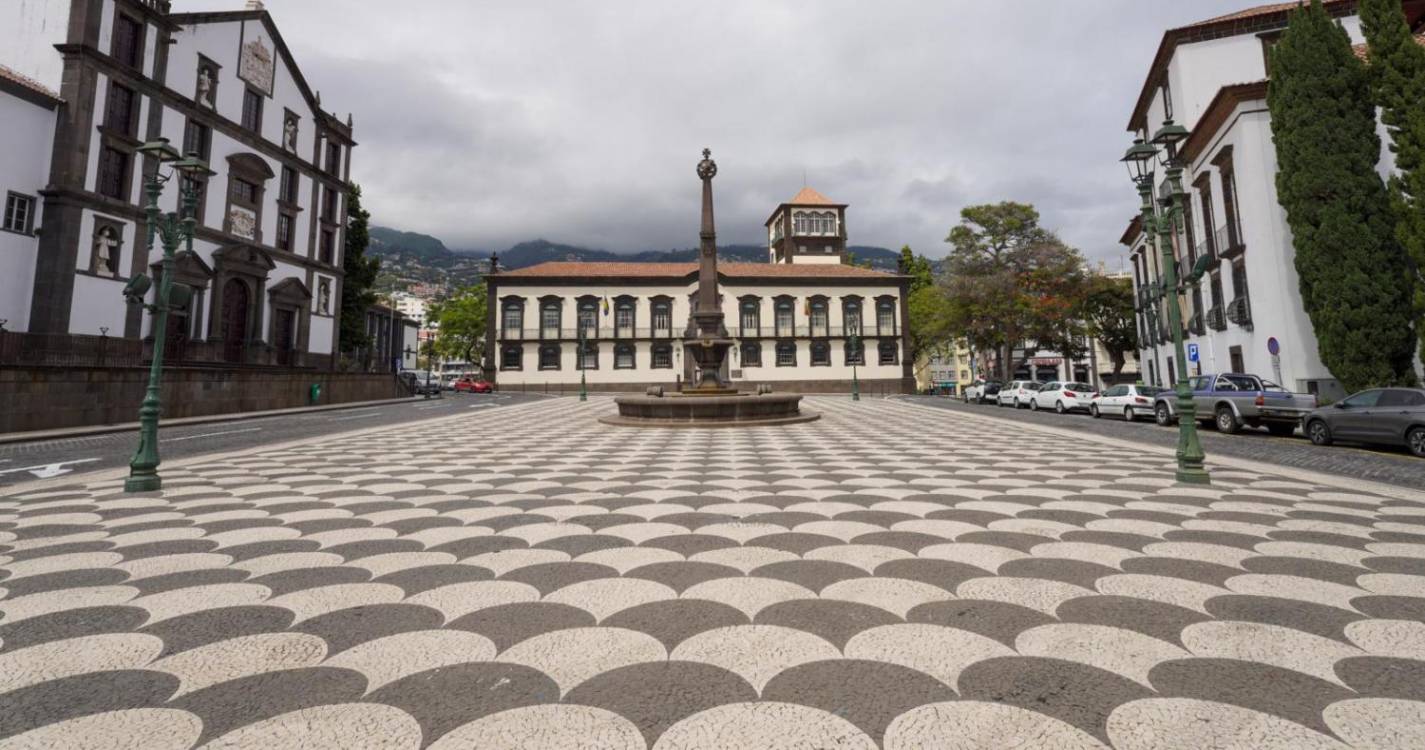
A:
{"points": [[706, 338]]}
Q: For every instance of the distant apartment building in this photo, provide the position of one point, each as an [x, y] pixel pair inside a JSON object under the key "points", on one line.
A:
{"points": [[1211, 77]]}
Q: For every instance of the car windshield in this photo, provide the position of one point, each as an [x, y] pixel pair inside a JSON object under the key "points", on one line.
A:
{"points": [[1078, 387], [1148, 390]]}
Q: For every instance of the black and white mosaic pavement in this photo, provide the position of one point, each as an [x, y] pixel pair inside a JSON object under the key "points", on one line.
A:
{"points": [[889, 576]]}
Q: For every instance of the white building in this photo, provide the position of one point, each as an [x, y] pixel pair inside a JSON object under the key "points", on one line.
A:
{"points": [[410, 305], [789, 318], [84, 83], [1211, 77]]}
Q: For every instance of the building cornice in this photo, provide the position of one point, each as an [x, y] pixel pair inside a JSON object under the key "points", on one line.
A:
{"points": [[887, 280], [189, 108], [1223, 104]]}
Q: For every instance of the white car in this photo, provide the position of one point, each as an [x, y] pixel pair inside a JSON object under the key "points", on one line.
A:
{"points": [[1127, 401], [974, 393], [1063, 397], [1018, 393]]}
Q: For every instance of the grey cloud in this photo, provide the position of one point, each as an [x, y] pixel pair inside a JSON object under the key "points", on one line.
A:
{"points": [[488, 123]]}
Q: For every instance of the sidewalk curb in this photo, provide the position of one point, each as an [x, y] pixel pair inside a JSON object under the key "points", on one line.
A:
{"points": [[1290, 472], [103, 429]]}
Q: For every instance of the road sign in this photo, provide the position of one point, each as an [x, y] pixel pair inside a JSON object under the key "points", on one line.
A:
{"points": [[1192, 352], [1273, 348]]}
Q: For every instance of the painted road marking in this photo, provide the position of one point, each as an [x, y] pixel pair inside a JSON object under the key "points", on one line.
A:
{"points": [[210, 434], [358, 416], [45, 471]]}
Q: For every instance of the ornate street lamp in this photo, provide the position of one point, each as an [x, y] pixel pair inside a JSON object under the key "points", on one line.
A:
{"points": [[1162, 219], [854, 341], [171, 229], [582, 360]]}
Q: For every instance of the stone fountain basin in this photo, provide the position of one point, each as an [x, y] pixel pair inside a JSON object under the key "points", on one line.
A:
{"points": [[694, 410]]}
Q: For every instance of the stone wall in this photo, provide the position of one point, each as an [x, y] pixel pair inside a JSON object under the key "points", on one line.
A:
{"points": [[36, 398]]}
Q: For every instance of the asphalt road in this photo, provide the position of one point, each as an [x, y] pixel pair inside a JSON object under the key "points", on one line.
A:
{"points": [[46, 459], [1386, 465]]}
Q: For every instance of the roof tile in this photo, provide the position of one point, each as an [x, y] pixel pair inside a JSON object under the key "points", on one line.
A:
{"points": [[809, 197], [27, 82]]}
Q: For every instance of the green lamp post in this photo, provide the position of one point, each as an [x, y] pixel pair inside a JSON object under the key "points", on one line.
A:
{"points": [[172, 230], [854, 341], [1161, 221], [583, 362]]}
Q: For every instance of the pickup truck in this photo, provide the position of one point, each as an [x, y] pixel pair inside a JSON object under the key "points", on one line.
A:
{"points": [[1233, 400]]}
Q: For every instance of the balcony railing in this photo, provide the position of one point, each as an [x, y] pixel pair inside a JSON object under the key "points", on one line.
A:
{"points": [[631, 334], [1239, 311], [1229, 243], [1195, 325], [1217, 318]]}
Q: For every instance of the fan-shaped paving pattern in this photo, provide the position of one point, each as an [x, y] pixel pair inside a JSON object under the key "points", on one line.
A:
{"points": [[844, 583]]}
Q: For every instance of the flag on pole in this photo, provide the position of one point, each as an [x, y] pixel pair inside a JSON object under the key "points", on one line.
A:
{"points": [[606, 307]]}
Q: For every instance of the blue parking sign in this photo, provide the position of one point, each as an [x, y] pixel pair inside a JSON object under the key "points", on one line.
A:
{"points": [[1192, 352]]}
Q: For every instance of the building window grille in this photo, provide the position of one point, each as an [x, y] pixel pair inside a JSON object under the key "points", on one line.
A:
{"points": [[662, 357], [855, 352], [662, 317], [514, 318], [751, 354], [549, 357], [820, 354], [887, 351], [624, 357], [784, 317], [589, 360], [786, 354], [512, 357], [549, 320], [751, 317], [885, 318], [819, 325]]}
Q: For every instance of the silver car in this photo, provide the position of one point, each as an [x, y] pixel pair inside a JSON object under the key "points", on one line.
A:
{"points": [[1386, 416]]}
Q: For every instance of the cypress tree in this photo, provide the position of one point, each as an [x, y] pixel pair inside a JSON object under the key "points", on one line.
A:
{"points": [[359, 275], [1354, 275], [1397, 73]]}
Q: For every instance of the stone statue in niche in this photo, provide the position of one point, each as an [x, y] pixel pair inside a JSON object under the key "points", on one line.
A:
{"points": [[289, 134], [205, 86], [106, 250], [324, 297]]}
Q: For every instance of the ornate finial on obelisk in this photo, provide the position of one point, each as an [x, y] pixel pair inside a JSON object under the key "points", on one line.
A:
{"points": [[707, 168]]}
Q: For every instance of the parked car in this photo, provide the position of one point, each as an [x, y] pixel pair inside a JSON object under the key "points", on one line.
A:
{"points": [[1018, 393], [426, 384], [978, 392], [447, 381], [1063, 397], [1232, 400], [1127, 401], [1387, 416], [473, 384]]}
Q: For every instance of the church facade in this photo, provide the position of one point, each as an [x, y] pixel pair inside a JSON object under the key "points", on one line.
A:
{"points": [[803, 321], [90, 81]]}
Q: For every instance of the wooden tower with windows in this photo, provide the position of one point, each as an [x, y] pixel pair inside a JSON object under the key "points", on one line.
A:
{"points": [[810, 228]]}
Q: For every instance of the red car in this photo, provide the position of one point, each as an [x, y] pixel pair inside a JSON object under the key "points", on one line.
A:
{"points": [[474, 385]]}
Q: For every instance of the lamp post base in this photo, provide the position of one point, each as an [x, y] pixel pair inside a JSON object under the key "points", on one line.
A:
{"points": [[143, 483], [1193, 475]]}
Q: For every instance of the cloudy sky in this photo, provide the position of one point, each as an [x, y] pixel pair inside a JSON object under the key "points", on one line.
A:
{"points": [[490, 123]]}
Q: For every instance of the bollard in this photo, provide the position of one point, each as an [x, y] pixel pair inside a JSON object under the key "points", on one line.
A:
{"points": [[314, 394]]}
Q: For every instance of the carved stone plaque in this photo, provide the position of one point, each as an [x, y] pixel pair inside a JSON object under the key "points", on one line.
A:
{"points": [[242, 222], [255, 66]]}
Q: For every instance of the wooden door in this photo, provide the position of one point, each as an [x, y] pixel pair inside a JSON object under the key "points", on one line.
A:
{"points": [[284, 335], [235, 317]]}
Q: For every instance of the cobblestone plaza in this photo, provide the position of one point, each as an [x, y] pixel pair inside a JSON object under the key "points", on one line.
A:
{"points": [[889, 576]]}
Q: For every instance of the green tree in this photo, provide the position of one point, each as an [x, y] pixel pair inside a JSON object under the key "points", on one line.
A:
{"points": [[357, 293], [461, 321], [1107, 312], [1354, 276], [1011, 283], [1397, 74], [918, 268]]}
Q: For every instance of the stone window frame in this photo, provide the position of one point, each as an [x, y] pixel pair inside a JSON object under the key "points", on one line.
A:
{"points": [[215, 74], [507, 305], [102, 223], [104, 171], [754, 348], [664, 304], [332, 158], [886, 303], [204, 146], [254, 170], [789, 348], [854, 355], [286, 231], [254, 124], [819, 303], [326, 248], [130, 127], [546, 303], [515, 362], [289, 295], [784, 303], [749, 303], [664, 349], [581, 359], [882, 348], [820, 347], [625, 350], [587, 303], [548, 349], [1227, 176], [13, 201], [139, 42], [849, 303], [629, 304]]}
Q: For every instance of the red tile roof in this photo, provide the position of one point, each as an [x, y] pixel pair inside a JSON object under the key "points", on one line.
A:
{"points": [[28, 83], [1363, 52], [1260, 10], [606, 269], [809, 197]]}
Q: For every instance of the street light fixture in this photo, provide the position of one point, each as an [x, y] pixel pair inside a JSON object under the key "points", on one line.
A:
{"points": [[172, 229], [1162, 221], [854, 341], [583, 359]]}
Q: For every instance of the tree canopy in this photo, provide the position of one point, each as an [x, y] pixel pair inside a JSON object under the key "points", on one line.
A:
{"points": [[1354, 277], [461, 320], [1108, 314], [359, 275]]}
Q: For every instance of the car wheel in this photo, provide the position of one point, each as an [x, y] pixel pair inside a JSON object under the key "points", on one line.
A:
{"points": [[1093, 411], [1128, 414], [1227, 421], [1162, 415], [1415, 441], [1034, 404], [1059, 407], [1319, 433]]}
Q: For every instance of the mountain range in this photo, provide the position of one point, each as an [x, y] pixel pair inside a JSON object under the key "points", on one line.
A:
{"points": [[404, 246]]}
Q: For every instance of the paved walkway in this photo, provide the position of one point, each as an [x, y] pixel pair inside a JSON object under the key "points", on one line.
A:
{"points": [[529, 578]]}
